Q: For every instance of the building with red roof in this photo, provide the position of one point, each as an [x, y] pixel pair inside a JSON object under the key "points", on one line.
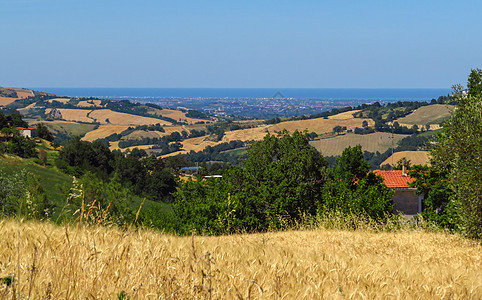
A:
{"points": [[26, 132], [405, 198]]}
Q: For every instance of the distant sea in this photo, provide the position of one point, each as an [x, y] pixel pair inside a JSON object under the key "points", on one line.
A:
{"points": [[303, 93]]}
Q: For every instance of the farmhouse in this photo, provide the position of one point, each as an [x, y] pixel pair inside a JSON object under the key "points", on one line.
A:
{"points": [[405, 199], [26, 132]]}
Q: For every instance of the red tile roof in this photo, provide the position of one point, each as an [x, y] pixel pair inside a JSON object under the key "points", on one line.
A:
{"points": [[394, 179]]}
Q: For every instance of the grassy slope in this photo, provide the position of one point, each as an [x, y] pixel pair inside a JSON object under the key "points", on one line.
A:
{"points": [[98, 262], [379, 141], [430, 114], [55, 183]]}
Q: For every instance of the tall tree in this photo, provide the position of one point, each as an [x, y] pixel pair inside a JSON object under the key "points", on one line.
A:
{"points": [[459, 155]]}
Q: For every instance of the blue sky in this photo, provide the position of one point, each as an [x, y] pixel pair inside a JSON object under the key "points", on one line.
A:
{"points": [[232, 44]]}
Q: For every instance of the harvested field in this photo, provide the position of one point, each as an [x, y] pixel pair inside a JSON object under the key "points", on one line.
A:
{"points": [[344, 115], [427, 114], [24, 93], [55, 262], [319, 125], [76, 115], [176, 115], [62, 100], [107, 116], [415, 157], [7, 100], [90, 103], [104, 131], [378, 141]]}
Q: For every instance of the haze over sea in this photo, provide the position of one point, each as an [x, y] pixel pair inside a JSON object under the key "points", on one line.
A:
{"points": [[368, 94]]}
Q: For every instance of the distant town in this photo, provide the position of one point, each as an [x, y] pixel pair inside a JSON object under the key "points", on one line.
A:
{"points": [[261, 108]]}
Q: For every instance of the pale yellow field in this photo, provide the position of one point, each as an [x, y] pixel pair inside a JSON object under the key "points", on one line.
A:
{"points": [[319, 125], [344, 115], [118, 118], [176, 115], [7, 100], [76, 115], [89, 103], [24, 93], [378, 141], [21, 93], [104, 131], [62, 100], [420, 126], [51, 262], [426, 114], [415, 157]]}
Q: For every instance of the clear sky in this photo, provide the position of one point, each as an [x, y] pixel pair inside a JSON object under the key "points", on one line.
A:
{"points": [[227, 44]]}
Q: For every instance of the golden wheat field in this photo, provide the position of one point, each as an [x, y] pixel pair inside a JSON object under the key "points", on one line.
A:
{"points": [[378, 141], [54, 262], [415, 157], [104, 131]]}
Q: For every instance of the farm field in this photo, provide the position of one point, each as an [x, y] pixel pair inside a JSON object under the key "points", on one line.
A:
{"points": [[107, 116], [72, 128], [74, 262], [415, 157], [320, 125], [430, 114], [103, 131], [21, 94], [378, 141], [176, 115]]}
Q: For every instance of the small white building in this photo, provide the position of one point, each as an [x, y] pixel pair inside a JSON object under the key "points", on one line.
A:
{"points": [[26, 132]]}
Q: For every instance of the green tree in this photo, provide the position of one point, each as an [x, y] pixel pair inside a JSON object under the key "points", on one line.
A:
{"points": [[43, 132], [474, 83], [459, 155], [353, 189], [279, 183], [21, 195]]}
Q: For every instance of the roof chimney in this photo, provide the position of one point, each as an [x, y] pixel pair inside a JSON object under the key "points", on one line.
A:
{"points": [[404, 168]]}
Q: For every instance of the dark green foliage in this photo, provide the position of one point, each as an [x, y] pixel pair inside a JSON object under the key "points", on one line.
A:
{"points": [[8, 280], [474, 83], [458, 154], [338, 129], [197, 115], [216, 153], [8, 93], [21, 195], [279, 183], [353, 189], [79, 157], [21, 146], [437, 207], [43, 132]]}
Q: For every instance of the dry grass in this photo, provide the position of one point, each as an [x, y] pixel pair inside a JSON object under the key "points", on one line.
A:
{"points": [[7, 100], [118, 118], [103, 131], [74, 115], [378, 141], [426, 114], [415, 157], [320, 125], [90, 103], [176, 115], [344, 115], [62, 100], [51, 262]]}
